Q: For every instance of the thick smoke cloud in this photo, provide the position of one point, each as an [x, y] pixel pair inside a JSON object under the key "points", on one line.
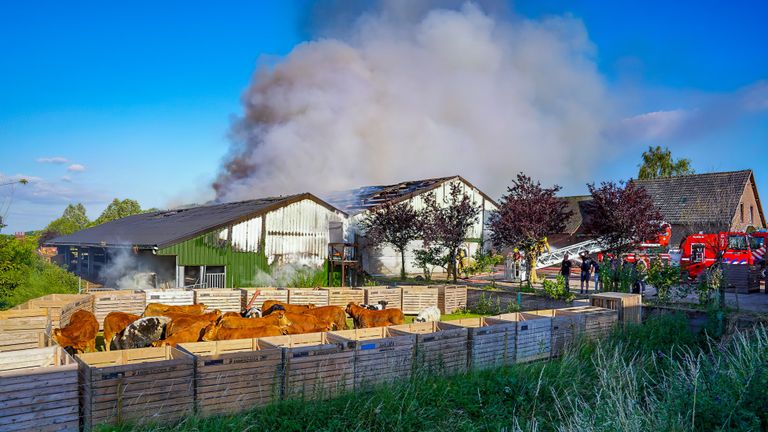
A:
{"points": [[452, 92]]}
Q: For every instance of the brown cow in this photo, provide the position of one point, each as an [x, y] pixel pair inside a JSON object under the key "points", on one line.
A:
{"points": [[114, 323], [303, 323], [184, 330], [331, 314], [79, 334], [216, 333], [209, 318], [155, 309], [364, 318], [266, 307], [277, 319]]}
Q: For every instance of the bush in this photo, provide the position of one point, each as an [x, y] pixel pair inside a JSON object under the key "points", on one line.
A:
{"points": [[556, 290], [664, 278], [487, 306], [428, 259]]}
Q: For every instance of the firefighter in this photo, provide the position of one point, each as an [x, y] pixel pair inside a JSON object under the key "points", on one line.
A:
{"points": [[565, 270]]}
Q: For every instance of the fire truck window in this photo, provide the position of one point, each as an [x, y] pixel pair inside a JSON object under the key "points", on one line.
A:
{"points": [[737, 242], [697, 253], [756, 242]]}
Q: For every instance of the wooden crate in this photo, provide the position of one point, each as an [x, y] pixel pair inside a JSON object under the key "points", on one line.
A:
{"points": [[533, 339], [741, 278], [303, 296], [342, 296], [223, 299], [59, 306], [417, 298], [380, 356], [171, 297], [440, 347], [265, 294], [136, 385], [392, 295], [128, 301], [566, 328], [314, 367], [491, 342], [232, 376], [629, 306], [451, 298], [598, 322], [38, 390], [22, 329]]}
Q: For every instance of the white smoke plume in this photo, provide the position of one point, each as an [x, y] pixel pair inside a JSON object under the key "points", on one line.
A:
{"points": [[452, 92]]}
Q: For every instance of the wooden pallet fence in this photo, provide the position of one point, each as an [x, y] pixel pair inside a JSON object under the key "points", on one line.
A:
{"points": [[303, 296], [60, 307], [223, 299], [598, 322], [491, 342], [265, 294], [233, 376], [343, 296], [313, 366], [629, 306], [418, 298], [38, 390], [380, 356], [440, 347], [741, 278], [451, 298], [23, 329], [566, 328], [128, 301], [171, 297], [136, 386], [392, 295], [533, 339]]}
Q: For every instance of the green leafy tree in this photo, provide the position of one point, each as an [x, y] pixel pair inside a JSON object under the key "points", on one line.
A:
{"points": [[658, 162], [118, 209], [73, 219]]}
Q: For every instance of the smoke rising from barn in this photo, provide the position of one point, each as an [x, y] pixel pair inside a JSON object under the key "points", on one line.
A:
{"points": [[451, 92]]}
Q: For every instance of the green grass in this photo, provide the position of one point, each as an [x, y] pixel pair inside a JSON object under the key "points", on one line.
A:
{"points": [[656, 377]]}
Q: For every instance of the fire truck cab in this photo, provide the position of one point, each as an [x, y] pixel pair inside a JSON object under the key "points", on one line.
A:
{"points": [[699, 252], [758, 242]]}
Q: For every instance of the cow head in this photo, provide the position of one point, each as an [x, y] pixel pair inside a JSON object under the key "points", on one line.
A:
{"points": [[210, 333], [282, 320]]}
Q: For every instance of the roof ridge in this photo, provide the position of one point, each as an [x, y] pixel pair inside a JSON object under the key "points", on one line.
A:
{"points": [[696, 175]]}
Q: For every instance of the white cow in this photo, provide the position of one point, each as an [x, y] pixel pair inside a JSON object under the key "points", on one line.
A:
{"points": [[430, 314]]}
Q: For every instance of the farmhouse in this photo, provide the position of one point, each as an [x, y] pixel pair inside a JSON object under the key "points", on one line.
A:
{"points": [[221, 245], [690, 203], [385, 260]]}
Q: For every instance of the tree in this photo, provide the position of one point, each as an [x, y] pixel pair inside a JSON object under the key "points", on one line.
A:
{"points": [[621, 215], [447, 225], [393, 224], [73, 219], [658, 162], [118, 209], [527, 214]]}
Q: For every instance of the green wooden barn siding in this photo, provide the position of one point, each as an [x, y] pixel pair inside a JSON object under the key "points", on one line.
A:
{"points": [[241, 266]]}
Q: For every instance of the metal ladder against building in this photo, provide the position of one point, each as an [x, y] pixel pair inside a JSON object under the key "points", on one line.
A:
{"points": [[556, 256]]}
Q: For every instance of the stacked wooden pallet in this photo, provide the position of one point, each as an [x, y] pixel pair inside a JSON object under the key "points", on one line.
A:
{"points": [[418, 298], [60, 307], [22, 329], [128, 301], [566, 327], [629, 306], [379, 355], [741, 278], [304, 296], [172, 297], [225, 300], [533, 339], [343, 296], [491, 342], [598, 322], [144, 385], [235, 375], [392, 295], [38, 391], [314, 367], [451, 298], [265, 294], [440, 347]]}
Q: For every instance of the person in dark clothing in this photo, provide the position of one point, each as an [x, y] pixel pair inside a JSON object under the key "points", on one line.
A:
{"points": [[586, 270], [596, 270], [565, 270]]}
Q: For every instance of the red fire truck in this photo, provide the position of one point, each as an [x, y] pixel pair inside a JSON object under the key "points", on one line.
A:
{"points": [[758, 242], [699, 251]]}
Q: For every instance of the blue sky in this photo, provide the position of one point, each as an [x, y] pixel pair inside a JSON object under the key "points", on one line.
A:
{"points": [[138, 98]]}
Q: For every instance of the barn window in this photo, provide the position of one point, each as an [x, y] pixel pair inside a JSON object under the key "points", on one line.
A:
{"points": [[741, 212], [751, 214]]}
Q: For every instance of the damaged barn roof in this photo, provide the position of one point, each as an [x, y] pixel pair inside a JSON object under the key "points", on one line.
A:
{"points": [[355, 201], [164, 228]]}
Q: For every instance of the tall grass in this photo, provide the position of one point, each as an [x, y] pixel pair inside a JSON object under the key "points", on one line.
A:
{"points": [[655, 377]]}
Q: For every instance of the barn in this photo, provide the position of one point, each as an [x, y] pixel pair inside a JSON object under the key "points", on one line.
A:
{"points": [[219, 245], [385, 260]]}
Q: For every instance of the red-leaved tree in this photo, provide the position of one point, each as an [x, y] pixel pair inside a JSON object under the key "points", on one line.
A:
{"points": [[393, 224], [527, 214], [447, 224]]}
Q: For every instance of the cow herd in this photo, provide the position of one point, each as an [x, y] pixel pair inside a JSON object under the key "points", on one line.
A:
{"points": [[161, 325]]}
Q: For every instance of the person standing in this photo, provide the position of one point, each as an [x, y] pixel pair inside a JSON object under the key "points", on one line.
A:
{"points": [[565, 270], [596, 269], [586, 273]]}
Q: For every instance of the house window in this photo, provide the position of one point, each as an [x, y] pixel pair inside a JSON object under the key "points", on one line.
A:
{"points": [[741, 212], [751, 214]]}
